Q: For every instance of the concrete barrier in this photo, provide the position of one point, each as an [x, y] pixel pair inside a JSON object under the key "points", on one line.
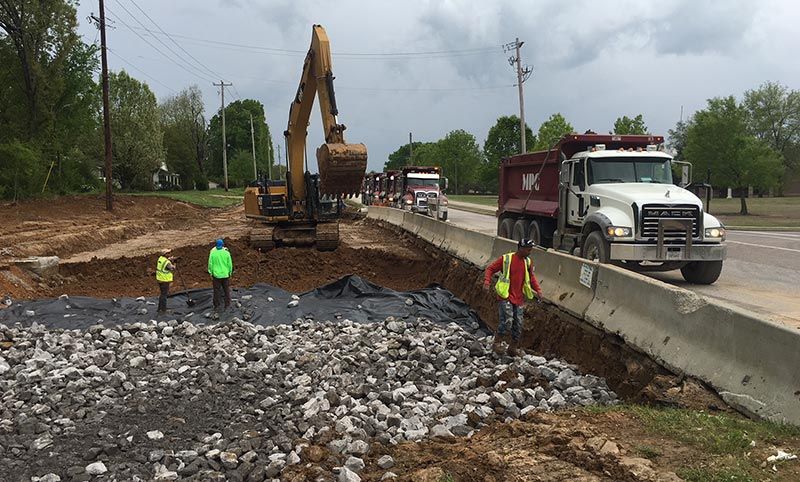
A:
{"points": [[752, 363], [471, 246], [560, 276]]}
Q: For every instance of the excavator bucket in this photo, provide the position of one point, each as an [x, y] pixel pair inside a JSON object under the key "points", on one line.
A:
{"points": [[341, 167]]}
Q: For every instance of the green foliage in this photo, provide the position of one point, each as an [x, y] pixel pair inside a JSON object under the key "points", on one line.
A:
{"points": [[39, 37], [237, 134], [135, 131], [399, 158], [185, 136], [677, 140], [460, 157], [240, 168], [551, 131], [774, 117], [502, 141], [22, 171], [49, 97], [718, 139], [626, 125]]}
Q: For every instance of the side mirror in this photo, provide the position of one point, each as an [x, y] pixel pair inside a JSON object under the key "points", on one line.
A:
{"points": [[582, 184], [446, 183]]}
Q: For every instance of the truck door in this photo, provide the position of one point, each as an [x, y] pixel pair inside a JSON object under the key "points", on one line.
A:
{"points": [[576, 209]]}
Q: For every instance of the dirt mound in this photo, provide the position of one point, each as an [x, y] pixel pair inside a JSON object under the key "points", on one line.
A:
{"points": [[72, 224]]}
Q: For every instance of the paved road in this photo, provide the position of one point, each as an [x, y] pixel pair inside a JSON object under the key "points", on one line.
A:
{"points": [[761, 274]]}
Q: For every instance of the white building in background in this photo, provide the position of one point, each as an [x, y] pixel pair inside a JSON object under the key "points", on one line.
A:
{"points": [[164, 179]]}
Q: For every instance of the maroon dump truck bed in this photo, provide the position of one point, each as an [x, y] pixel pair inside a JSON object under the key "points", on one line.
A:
{"points": [[529, 182]]}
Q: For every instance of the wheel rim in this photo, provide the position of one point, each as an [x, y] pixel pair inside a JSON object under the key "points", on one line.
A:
{"points": [[592, 253]]}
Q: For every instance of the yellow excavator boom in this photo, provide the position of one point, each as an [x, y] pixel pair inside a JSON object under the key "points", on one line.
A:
{"points": [[341, 165]]}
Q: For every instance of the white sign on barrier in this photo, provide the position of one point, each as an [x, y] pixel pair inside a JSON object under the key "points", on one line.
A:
{"points": [[586, 275]]}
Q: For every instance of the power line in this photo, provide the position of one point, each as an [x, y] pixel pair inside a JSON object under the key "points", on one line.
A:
{"points": [[369, 55], [201, 75], [173, 41], [142, 71]]}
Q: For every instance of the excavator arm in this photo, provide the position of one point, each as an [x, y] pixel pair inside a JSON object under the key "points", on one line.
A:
{"points": [[341, 165]]}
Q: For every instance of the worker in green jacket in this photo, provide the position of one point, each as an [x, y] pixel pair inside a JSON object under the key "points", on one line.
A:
{"points": [[220, 267]]}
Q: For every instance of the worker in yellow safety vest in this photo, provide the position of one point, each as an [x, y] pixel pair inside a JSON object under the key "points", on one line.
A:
{"points": [[516, 284], [164, 268]]}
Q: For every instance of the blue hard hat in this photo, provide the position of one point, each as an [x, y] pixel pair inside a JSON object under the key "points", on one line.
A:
{"points": [[220, 243]]}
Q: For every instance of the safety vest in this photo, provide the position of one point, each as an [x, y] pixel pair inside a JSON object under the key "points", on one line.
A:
{"points": [[503, 284], [163, 275]]}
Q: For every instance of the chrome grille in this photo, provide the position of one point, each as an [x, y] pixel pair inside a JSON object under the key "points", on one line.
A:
{"points": [[652, 213]]}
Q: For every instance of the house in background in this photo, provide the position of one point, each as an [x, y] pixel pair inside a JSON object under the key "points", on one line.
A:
{"points": [[163, 179]]}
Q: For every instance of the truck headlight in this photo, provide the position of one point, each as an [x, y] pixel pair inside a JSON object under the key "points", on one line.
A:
{"points": [[409, 201], [443, 202], [715, 233], [618, 232]]}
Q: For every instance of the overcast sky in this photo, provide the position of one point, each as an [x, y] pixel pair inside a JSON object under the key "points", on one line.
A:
{"points": [[592, 60]]}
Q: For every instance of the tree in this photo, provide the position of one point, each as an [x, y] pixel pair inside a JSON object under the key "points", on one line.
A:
{"points": [[718, 139], [21, 170], [48, 93], [551, 131], [460, 157], [399, 158], [41, 36], [185, 136], [677, 139], [774, 117], [625, 125], [237, 135], [502, 141], [136, 131]]}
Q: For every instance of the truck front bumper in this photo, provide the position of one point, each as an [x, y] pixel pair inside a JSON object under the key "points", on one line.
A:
{"points": [[650, 252]]}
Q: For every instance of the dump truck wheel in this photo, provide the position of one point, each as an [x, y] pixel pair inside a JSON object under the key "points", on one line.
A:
{"points": [[596, 248], [505, 228], [702, 272], [520, 230]]}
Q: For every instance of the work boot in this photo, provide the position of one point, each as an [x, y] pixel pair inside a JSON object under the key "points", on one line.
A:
{"points": [[497, 344], [515, 350]]}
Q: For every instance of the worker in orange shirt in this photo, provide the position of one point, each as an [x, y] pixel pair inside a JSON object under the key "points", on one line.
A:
{"points": [[516, 284]]}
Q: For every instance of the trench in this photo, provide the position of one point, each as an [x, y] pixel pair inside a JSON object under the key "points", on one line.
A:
{"points": [[388, 256]]}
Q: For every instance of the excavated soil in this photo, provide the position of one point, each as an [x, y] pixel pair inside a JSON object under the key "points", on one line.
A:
{"points": [[114, 255]]}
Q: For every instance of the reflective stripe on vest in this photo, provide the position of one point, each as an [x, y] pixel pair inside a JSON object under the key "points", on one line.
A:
{"points": [[504, 282], [163, 275]]}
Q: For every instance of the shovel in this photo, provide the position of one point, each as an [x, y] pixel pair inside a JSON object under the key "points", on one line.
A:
{"points": [[189, 301]]}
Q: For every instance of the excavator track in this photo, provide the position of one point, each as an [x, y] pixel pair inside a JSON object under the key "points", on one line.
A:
{"points": [[327, 237], [262, 238]]}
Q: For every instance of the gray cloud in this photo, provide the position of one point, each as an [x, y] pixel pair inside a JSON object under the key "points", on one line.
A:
{"points": [[593, 61]]}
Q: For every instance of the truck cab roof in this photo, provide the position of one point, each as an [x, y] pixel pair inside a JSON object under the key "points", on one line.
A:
{"points": [[617, 153]]}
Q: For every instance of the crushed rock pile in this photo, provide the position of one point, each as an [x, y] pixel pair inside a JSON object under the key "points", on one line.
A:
{"points": [[237, 401]]}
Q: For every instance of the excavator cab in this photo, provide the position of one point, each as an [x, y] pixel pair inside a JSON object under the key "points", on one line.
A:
{"points": [[304, 209]]}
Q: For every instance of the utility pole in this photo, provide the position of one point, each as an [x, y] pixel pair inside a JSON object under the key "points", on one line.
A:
{"points": [[269, 157], [410, 151], [222, 86], [106, 113], [523, 73], [253, 140]]}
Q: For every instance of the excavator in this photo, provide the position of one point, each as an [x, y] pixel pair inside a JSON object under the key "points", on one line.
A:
{"points": [[304, 209]]}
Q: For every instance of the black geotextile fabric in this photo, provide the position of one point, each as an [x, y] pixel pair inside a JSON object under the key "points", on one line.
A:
{"points": [[350, 298]]}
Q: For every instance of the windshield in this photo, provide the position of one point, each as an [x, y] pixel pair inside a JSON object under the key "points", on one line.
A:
{"points": [[626, 169], [423, 182]]}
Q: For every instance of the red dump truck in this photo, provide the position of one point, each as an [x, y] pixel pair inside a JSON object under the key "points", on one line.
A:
{"points": [[610, 198], [417, 189]]}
